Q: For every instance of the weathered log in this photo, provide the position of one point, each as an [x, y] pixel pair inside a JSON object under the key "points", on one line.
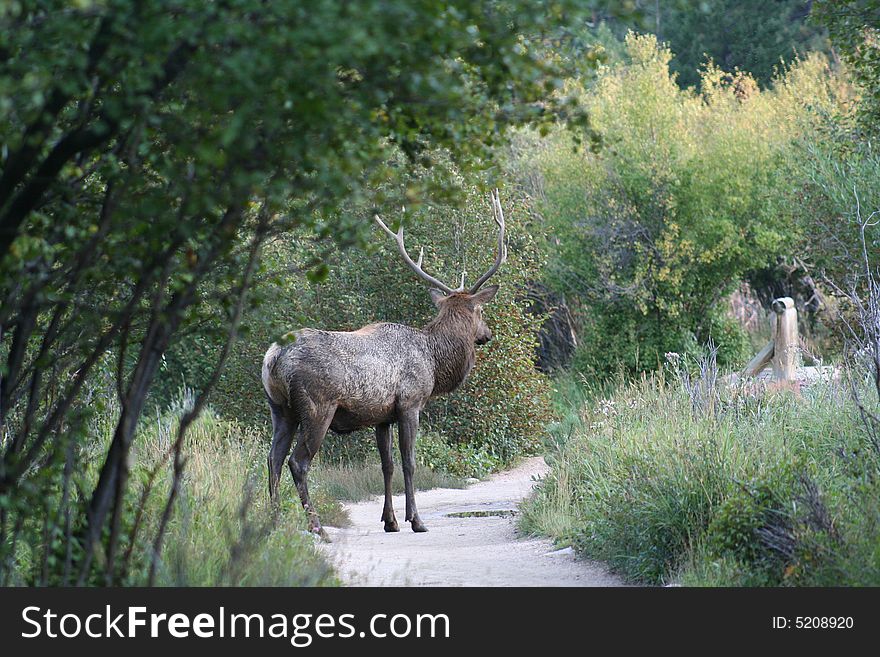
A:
{"points": [[760, 361]]}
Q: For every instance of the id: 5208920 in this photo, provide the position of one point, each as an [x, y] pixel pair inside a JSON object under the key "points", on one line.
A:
{"points": [[813, 623]]}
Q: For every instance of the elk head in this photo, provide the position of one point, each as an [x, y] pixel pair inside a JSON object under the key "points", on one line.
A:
{"points": [[461, 304]]}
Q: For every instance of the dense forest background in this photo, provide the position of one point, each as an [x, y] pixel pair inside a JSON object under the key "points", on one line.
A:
{"points": [[184, 184]]}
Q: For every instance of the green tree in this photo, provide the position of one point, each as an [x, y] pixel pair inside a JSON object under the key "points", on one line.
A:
{"points": [[854, 27], [754, 36], [149, 150], [656, 227], [747, 35]]}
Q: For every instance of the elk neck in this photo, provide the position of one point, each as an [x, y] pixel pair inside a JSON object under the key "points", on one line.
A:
{"points": [[451, 343]]}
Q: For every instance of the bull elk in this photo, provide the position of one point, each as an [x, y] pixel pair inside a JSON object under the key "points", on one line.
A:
{"points": [[376, 376]]}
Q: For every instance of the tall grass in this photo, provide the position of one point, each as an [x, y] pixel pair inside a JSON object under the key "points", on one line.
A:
{"points": [[223, 530], [758, 487], [355, 482]]}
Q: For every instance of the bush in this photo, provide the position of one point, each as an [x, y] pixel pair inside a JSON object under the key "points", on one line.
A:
{"points": [[222, 531], [737, 524], [682, 199], [504, 407], [766, 489]]}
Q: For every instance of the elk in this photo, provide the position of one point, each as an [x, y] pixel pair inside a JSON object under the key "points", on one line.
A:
{"points": [[376, 376]]}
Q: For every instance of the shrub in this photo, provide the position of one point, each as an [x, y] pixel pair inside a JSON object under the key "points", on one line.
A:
{"points": [[737, 524], [767, 489], [656, 227], [503, 408], [221, 532]]}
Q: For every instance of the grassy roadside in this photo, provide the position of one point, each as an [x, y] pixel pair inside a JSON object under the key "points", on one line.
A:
{"points": [[222, 531], [712, 486]]}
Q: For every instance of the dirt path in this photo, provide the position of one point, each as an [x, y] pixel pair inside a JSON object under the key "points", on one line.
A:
{"points": [[481, 550]]}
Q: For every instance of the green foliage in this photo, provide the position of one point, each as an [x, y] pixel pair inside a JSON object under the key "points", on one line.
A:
{"points": [[769, 489], [221, 533], [151, 149], [733, 530], [504, 406], [854, 27], [734, 344], [754, 36], [838, 174], [457, 459], [746, 35], [678, 204]]}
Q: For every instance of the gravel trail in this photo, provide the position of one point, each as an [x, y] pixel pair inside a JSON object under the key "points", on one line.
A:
{"points": [[477, 549]]}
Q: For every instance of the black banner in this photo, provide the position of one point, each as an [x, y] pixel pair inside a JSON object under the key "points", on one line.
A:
{"points": [[107, 620]]}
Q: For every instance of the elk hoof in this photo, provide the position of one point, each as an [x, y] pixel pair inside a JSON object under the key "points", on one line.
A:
{"points": [[417, 525], [392, 526]]}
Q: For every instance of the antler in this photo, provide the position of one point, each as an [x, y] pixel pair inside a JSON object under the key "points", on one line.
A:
{"points": [[501, 255], [415, 266]]}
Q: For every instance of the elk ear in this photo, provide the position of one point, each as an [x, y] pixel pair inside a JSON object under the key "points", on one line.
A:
{"points": [[485, 295], [436, 296]]}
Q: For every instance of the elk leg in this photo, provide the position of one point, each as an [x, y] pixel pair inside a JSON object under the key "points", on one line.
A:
{"points": [[407, 426], [311, 435], [282, 430], [383, 442]]}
